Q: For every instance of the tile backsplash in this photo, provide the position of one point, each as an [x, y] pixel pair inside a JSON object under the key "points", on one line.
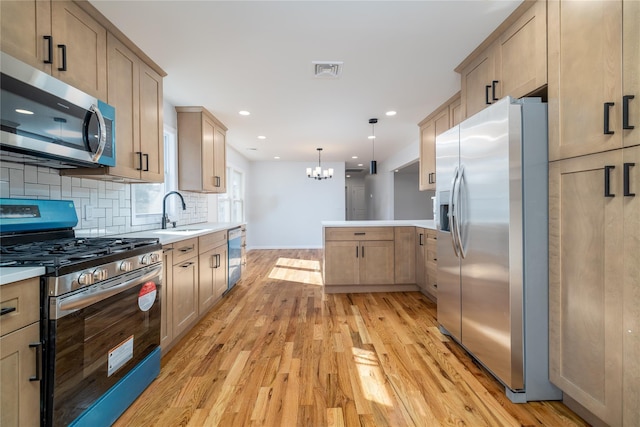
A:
{"points": [[110, 201]]}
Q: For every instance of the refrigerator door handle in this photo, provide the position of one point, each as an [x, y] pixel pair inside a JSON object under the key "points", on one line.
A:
{"points": [[457, 212], [451, 213]]}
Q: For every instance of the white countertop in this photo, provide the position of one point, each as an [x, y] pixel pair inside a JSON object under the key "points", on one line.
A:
{"points": [[172, 235], [15, 274], [424, 223]]}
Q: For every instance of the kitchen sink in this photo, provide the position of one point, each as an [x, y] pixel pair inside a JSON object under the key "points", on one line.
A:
{"points": [[182, 231]]}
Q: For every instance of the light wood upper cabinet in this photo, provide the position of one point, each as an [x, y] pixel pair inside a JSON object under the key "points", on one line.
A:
{"points": [[594, 58], [201, 151], [60, 38], [24, 24], [136, 92], [432, 126], [80, 48], [512, 61]]}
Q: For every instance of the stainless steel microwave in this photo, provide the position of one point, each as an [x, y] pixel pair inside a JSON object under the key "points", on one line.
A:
{"points": [[46, 121]]}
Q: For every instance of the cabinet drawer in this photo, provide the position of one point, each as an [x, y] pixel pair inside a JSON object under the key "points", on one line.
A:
{"points": [[21, 301], [359, 233], [212, 240], [184, 249]]}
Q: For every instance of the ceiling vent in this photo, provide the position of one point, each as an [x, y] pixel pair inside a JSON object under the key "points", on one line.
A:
{"points": [[327, 69]]}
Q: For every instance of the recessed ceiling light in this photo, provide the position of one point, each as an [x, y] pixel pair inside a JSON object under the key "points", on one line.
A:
{"points": [[244, 113], [360, 164], [397, 170], [262, 137], [348, 176], [371, 137], [390, 113], [354, 157], [21, 111], [276, 157]]}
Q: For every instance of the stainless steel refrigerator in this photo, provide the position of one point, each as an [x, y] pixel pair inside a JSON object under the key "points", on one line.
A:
{"points": [[491, 193]]}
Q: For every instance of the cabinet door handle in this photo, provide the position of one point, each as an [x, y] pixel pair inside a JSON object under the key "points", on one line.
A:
{"points": [[607, 108], [139, 153], [7, 310], [486, 94], [63, 48], [165, 250], [216, 180], [361, 233], [186, 249], [607, 181], [356, 251], [432, 178], [38, 347], [493, 89], [420, 240], [187, 264], [362, 251], [625, 111], [146, 157], [625, 184], [49, 40]]}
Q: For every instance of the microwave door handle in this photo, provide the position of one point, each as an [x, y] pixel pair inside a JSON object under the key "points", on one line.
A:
{"points": [[102, 133]]}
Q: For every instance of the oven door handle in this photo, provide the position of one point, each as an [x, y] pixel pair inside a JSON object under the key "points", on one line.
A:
{"points": [[85, 299]]}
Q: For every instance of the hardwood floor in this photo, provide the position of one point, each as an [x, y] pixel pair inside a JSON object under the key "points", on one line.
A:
{"points": [[277, 351]]}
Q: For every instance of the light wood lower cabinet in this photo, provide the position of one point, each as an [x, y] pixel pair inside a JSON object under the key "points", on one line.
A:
{"points": [[405, 255], [359, 256], [166, 298], [213, 261], [19, 339], [185, 285], [594, 282], [427, 262]]}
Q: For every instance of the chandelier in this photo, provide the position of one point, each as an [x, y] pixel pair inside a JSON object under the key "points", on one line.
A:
{"points": [[317, 172]]}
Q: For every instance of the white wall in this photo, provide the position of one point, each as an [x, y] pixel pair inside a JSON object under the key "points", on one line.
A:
{"points": [[287, 208], [379, 194], [408, 201]]}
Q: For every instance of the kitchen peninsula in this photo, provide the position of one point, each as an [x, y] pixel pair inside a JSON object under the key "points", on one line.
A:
{"points": [[378, 256]]}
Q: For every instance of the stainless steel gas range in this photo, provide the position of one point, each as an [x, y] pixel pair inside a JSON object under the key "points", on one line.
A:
{"points": [[100, 310]]}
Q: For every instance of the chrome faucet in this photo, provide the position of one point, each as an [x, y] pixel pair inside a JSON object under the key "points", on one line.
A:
{"points": [[165, 217]]}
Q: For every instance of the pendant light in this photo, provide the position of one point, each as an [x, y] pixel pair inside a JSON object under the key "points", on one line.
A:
{"points": [[317, 172], [373, 169]]}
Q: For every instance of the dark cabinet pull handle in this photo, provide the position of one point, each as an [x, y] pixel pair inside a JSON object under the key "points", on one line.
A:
{"points": [[139, 153], [49, 40], [146, 157], [187, 264], [607, 181], [432, 178], [38, 375], [625, 183], [165, 250], [362, 233], [625, 111], [486, 94], [607, 107], [217, 181], [493, 89], [64, 57], [357, 251], [420, 240], [363, 252], [7, 310]]}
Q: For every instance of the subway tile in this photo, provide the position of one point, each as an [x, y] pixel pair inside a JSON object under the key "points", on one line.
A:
{"points": [[44, 177], [66, 187], [89, 183], [4, 189], [31, 174], [16, 182], [36, 190], [4, 174], [80, 192], [55, 192]]}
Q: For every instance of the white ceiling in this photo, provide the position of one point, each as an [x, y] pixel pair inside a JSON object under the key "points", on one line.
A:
{"points": [[257, 56]]}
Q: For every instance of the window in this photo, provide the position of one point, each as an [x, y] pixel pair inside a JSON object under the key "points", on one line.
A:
{"points": [[231, 204], [146, 199]]}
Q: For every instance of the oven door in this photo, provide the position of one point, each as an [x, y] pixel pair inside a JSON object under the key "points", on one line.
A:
{"points": [[95, 337]]}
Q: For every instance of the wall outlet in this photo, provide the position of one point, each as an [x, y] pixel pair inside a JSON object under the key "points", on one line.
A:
{"points": [[88, 212]]}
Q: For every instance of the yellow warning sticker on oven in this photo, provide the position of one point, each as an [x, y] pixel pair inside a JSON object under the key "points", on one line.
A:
{"points": [[119, 355], [147, 296]]}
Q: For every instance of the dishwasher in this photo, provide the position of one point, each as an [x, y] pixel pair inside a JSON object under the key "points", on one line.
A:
{"points": [[235, 256]]}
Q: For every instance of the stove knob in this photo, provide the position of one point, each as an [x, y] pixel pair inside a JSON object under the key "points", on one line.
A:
{"points": [[150, 259], [125, 266], [100, 274], [85, 279], [155, 257]]}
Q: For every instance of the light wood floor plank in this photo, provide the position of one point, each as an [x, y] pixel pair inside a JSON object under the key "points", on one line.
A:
{"points": [[278, 351]]}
